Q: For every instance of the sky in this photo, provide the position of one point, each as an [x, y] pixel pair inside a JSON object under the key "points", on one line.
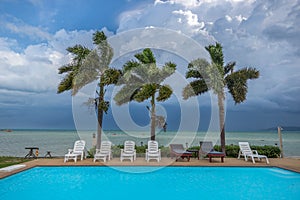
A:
{"points": [[34, 35]]}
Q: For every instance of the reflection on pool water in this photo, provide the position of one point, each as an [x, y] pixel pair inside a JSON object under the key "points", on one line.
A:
{"points": [[151, 183]]}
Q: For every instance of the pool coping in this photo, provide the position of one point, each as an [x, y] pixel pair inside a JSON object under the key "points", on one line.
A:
{"points": [[284, 163]]}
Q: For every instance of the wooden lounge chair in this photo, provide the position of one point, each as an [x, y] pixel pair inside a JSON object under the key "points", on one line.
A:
{"points": [[153, 152], [104, 153], [78, 150], [178, 151], [129, 151], [246, 151], [207, 149]]}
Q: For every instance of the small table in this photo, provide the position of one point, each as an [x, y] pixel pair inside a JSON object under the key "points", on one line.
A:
{"points": [[48, 154], [196, 151], [30, 153]]}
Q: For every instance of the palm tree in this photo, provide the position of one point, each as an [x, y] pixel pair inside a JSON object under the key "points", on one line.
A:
{"points": [[217, 77], [87, 66], [142, 80]]}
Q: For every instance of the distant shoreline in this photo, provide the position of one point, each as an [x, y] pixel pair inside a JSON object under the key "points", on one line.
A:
{"points": [[284, 129]]}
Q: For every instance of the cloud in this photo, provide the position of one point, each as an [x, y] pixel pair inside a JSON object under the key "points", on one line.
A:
{"points": [[34, 68], [191, 19], [17, 26], [261, 34]]}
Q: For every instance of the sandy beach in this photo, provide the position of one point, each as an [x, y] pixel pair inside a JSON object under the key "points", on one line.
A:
{"points": [[292, 164]]}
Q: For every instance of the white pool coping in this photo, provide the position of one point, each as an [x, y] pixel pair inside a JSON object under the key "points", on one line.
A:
{"points": [[11, 168]]}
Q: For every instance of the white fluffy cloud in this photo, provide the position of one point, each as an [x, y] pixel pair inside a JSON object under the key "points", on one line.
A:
{"points": [[34, 69]]}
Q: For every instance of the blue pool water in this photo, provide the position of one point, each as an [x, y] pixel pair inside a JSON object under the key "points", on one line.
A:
{"points": [[151, 183]]}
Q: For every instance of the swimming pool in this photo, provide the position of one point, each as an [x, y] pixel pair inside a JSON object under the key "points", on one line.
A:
{"points": [[151, 183]]}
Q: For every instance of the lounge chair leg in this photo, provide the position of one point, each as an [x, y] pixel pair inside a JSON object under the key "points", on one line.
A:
{"points": [[267, 160], [253, 159]]}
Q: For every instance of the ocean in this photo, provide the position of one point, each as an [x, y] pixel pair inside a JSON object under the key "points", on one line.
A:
{"points": [[59, 141]]}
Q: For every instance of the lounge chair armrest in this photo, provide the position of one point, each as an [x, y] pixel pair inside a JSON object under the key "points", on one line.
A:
{"points": [[255, 152], [70, 151], [122, 150]]}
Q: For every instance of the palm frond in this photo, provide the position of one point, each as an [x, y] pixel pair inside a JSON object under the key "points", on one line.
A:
{"points": [[130, 65], [249, 72], [105, 53], [237, 86], [237, 83], [165, 92], [110, 76], [66, 83], [146, 56], [195, 88], [197, 69], [229, 67], [126, 93], [145, 92], [99, 37], [93, 66], [216, 54], [215, 80], [144, 74], [193, 74], [167, 70], [79, 52], [87, 72], [65, 69]]}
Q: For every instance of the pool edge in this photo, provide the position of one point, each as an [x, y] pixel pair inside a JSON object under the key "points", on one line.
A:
{"points": [[286, 163]]}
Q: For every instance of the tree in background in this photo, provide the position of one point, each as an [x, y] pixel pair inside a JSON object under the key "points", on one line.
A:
{"points": [[87, 66], [216, 76], [142, 80]]}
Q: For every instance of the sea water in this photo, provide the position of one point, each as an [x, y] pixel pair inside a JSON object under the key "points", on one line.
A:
{"points": [[59, 141]]}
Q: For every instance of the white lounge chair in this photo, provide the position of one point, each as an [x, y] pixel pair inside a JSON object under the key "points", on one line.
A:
{"points": [[152, 152], [246, 151], [78, 150], [104, 152], [129, 151]]}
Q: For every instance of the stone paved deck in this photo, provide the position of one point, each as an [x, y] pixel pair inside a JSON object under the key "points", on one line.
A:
{"points": [[286, 163]]}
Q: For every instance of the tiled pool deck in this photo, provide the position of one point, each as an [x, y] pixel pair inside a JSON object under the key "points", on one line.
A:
{"points": [[286, 163]]}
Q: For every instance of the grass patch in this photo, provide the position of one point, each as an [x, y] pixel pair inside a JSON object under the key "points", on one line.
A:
{"points": [[8, 161]]}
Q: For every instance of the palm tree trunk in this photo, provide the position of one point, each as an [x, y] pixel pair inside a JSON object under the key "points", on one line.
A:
{"points": [[222, 120], [100, 116], [153, 117]]}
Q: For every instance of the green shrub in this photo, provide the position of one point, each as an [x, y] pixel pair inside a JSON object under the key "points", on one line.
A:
{"points": [[91, 152], [233, 150], [269, 151]]}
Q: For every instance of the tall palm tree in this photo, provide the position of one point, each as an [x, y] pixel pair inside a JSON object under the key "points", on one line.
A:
{"points": [[142, 80], [216, 76], [87, 66]]}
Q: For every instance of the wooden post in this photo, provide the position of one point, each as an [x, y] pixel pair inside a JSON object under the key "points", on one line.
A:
{"points": [[280, 141], [94, 140]]}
